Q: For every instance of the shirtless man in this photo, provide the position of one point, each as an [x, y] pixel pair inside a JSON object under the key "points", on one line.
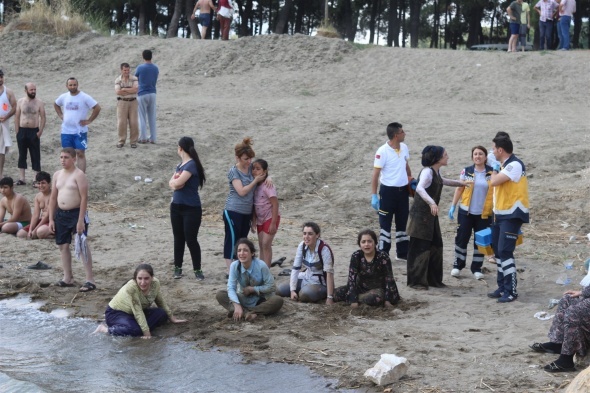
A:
{"points": [[39, 226], [207, 8], [29, 122], [74, 127], [68, 215], [15, 204], [7, 109]]}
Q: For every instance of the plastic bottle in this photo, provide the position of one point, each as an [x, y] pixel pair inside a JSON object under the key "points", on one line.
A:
{"points": [[566, 277]]}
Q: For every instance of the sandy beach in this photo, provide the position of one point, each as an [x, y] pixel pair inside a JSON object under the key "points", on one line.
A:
{"points": [[317, 109]]}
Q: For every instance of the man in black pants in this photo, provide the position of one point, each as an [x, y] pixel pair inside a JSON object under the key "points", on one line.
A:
{"points": [[29, 122], [392, 171]]}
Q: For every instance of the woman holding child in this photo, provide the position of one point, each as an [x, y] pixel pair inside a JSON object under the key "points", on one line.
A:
{"points": [[370, 277]]}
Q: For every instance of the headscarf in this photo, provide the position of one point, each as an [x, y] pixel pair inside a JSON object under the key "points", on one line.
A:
{"points": [[431, 155]]}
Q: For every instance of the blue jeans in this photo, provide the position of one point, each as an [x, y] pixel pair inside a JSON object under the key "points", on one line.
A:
{"points": [[147, 115], [546, 34], [564, 31]]}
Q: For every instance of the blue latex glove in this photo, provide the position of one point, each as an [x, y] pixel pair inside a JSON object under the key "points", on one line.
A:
{"points": [[452, 212], [375, 201], [414, 184], [497, 168]]}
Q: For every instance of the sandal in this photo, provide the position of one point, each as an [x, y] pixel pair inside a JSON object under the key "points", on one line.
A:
{"points": [[63, 284], [134, 145], [278, 262], [538, 347], [20, 182], [119, 145], [87, 287], [40, 266], [553, 367]]}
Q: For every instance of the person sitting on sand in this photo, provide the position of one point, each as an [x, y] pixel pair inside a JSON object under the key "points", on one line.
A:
{"points": [[370, 277], [316, 282], [250, 287], [569, 332], [39, 226], [130, 314], [16, 205]]}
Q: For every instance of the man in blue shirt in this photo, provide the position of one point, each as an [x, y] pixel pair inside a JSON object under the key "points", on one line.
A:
{"points": [[146, 96]]}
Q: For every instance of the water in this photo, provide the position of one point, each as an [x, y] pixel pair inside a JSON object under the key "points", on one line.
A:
{"points": [[41, 352]]}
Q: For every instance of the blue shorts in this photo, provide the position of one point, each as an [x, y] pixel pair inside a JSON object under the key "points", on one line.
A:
{"points": [[205, 19], [77, 141], [514, 28]]}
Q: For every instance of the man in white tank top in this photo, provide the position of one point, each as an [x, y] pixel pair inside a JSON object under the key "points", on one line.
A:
{"points": [[7, 109]]}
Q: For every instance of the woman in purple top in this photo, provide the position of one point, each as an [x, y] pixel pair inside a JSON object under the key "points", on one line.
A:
{"points": [[185, 209]]}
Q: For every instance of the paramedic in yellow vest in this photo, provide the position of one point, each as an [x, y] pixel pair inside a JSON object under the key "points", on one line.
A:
{"points": [[475, 210], [511, 210]]}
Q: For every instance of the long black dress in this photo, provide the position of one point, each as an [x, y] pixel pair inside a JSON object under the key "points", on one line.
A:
{"points": [[425, 254]]}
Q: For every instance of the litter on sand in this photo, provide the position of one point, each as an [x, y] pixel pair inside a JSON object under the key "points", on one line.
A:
{"points": [[543, 316]]}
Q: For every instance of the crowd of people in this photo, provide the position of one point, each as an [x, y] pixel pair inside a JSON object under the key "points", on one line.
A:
{"points": [[492, 192]]}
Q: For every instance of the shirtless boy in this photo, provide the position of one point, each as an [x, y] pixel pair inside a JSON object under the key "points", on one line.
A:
{"points": [[67, 215], [29, 122], [207, 8], [15, 204], [39, 226]]}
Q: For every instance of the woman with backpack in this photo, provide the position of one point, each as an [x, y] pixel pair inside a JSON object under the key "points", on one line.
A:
{"points": [[317, 281]]}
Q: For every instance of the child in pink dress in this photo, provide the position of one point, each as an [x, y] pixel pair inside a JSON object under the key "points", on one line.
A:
{"points": [[266, 215]]}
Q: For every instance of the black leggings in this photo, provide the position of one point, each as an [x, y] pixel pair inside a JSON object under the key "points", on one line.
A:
{"points": [[186, 221]]}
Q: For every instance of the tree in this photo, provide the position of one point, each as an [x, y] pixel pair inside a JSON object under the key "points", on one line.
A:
{"points": [[283, 19], [173, 26], [415, 7]]}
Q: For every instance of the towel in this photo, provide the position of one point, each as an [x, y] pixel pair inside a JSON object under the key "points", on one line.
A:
{"points": [[81, 248], [5, 140]]}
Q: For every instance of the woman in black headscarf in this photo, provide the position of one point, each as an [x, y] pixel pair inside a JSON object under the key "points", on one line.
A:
{"points": [[425, 255]]}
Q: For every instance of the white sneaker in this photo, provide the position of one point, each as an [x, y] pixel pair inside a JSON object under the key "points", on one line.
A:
{"points": [[455, 272], [478, 276]]}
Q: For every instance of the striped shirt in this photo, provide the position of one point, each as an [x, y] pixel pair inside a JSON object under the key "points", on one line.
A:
{"points": [[547, 8]]}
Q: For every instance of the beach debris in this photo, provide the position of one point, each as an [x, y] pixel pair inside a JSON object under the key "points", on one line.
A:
{"points": [[543, 315], [135, 226], [147, 180], [137, 178], [552, 303], [581, 383], [388, 369]]}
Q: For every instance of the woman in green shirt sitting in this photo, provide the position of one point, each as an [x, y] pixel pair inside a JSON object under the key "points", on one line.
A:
{"points": [[129, 313]]}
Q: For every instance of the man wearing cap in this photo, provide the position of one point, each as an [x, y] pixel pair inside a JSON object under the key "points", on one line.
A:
{"points": [[29, 123], [511, 210], [391, 172], [74, 127], [126, 86], [7, 109]]}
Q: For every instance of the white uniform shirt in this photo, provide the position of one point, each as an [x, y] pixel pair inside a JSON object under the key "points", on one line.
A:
{"points": [[393, 165]]}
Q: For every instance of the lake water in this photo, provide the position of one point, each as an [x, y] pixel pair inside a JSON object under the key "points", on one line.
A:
{"points": [[41, 352]]}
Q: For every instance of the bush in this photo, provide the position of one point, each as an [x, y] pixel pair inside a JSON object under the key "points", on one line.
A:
{"points": [[58, 19], [327, 30]]}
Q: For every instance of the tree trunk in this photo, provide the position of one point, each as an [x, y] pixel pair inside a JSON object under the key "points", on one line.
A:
{"points": [[577, 29], [403, 19], [283, 18], [173, 26], [434, 38], [301, 8], [415, 6], [142, 19], [373, 20], [474, 15]]}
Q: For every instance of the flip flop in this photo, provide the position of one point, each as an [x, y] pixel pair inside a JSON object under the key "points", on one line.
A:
{"points": [[278, 262], [20, 183], [39, 266], [87, 287], [285, 272], [553, 367], [538, 347], [63, 284]]}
